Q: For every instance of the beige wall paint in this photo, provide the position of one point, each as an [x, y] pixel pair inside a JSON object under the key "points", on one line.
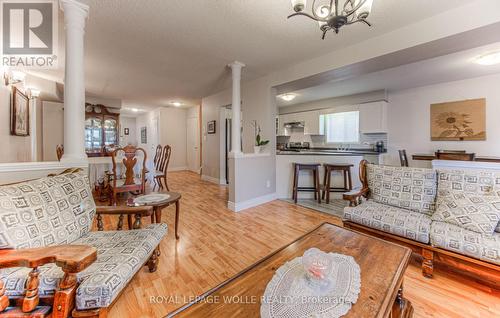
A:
{"points": [[173, 132], [409, 118], [14, 148]]}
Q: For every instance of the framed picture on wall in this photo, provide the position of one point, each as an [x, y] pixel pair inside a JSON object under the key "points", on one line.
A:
{"points": [[126, 131], [144, 135], [19, 114], [211, 127]]}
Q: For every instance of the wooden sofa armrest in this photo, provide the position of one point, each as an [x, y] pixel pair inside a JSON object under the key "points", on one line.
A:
{"points": [[132, 210], [70, 258], [354, 196]]}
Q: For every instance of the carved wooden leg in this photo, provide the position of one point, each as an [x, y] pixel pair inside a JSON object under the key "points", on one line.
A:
{"points": [[137, 224], [65, 296], [428, 263], [91, 313], [120, 223], [177, 210], [30, 300], [4, 300], [153, 261], [402, 307]]}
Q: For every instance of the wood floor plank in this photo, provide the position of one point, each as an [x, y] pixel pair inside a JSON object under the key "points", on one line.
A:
{"points": [[216, 243]]}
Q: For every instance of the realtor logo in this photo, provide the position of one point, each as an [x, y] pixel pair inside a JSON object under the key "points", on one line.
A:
{"points": [[29, 33]]}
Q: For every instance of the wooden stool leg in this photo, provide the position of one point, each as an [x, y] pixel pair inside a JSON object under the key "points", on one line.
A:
{"points": [[295, 183], [328, 186], [316, 185], [324, 184], [350, 178]]}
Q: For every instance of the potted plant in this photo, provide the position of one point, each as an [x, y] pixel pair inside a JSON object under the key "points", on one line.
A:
{"points": [[259, 142]]}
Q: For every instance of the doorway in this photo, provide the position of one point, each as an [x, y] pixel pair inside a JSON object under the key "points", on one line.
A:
{"points": [[193, 144]]}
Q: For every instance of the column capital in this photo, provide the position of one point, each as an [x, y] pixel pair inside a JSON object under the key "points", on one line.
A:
{"points": [[236, 64], [74, 7]]}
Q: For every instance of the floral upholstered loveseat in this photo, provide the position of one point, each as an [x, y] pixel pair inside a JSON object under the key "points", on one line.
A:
{"points": [[50, 256], [448, 215]]}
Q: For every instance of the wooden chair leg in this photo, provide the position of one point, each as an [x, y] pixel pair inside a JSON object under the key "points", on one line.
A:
{"points": [[129, 222], [324, 185], [166, 183], [153, 261], [427, 263]]}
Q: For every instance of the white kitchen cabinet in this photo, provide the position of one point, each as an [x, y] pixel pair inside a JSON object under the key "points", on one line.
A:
{"points": [[282, 119], [373, 118], [311, 120]]}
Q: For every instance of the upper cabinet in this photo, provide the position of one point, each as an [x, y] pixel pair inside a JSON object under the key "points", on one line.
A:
{"points": [[311, 120], [373, 118]]}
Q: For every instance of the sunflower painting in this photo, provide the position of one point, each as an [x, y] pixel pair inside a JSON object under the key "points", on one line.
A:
{"points": [[462, 120]]}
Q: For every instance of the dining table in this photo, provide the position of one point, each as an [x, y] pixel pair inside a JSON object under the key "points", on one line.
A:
{"points": [[431, 156]]}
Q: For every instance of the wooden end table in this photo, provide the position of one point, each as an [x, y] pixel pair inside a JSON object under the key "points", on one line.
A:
{"points": [[382, 267], [158, 206]]}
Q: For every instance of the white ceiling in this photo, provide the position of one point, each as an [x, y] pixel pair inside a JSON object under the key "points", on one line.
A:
{"points": [[157, 51], [445, 68]]}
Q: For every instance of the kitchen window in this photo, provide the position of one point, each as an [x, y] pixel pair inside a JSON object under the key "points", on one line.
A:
{"points": [[340, 128]]}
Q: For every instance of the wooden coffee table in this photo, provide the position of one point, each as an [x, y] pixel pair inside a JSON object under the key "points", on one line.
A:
{"points": [[382, 268]]}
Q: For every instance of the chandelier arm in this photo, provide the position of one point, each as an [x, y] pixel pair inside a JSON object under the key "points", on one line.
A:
{"points": [[336, 7], [359, 20], [317, 17], [347, 13], [306, 15]]}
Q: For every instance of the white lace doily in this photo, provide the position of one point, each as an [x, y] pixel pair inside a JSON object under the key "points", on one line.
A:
{"points": [[289, 294]]}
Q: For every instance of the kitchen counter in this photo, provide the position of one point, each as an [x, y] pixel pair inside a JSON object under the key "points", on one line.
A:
{"points": [[328, 152]]}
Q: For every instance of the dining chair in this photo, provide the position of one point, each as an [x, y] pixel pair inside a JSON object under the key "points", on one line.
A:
{"points": [[157, 157], [461, 156], [120, 182], [403, 158], [161, 170], [59, 152]]}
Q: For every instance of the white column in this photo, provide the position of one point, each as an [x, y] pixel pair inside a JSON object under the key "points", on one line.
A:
{"points": [[75, 15], [236, 107]]}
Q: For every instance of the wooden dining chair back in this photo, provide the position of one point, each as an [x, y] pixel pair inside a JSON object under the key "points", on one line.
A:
{"points": [[403, 158], [157, 157], [161, 171], [461, 156], [127, 181], [59, 152]]}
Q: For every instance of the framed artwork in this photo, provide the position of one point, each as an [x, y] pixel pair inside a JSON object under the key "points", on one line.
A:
{"points": [[460, 120], [19, 114], [126, 131], [211, 127], [144, 135]]}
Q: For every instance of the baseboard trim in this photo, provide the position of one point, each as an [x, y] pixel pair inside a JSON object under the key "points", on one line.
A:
{"points": [[210, 179], [240, 206], [178, 169]]}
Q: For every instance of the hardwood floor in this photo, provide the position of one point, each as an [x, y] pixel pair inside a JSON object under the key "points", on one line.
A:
{"points": [[216, 243]]}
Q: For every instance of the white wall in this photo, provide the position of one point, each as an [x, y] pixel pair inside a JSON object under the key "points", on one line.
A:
{"points": [[409, 118], [130, 123], [173, 132], [14, 148]]}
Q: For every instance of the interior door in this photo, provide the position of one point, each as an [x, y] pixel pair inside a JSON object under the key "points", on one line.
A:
{"points": [[193, 144]]}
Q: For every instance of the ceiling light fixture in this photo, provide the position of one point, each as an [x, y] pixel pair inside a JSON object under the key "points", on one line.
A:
{"points": [[287, 97], [491, 58], [135, 110], [177, 104], [335, 13]]}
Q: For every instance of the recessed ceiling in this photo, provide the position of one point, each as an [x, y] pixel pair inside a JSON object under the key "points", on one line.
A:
{"points": [[445, 68], [156, 51]]}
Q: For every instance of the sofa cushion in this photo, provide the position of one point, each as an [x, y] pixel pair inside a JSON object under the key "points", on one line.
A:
{"points": [[408, 188], [120, 254], [456, 239], [470, 199], [474, 212], [47, 211], [390, 219]]}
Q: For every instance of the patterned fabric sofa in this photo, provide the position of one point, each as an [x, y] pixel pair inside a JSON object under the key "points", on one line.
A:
{"points": [[55, 215], [449, 216]]}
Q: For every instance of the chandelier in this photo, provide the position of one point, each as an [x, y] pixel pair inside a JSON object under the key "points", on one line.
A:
{"points": [[332, 15]]}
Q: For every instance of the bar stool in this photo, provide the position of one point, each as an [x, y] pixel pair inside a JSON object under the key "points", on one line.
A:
{"points": [[346, 171], [314, 167]]}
